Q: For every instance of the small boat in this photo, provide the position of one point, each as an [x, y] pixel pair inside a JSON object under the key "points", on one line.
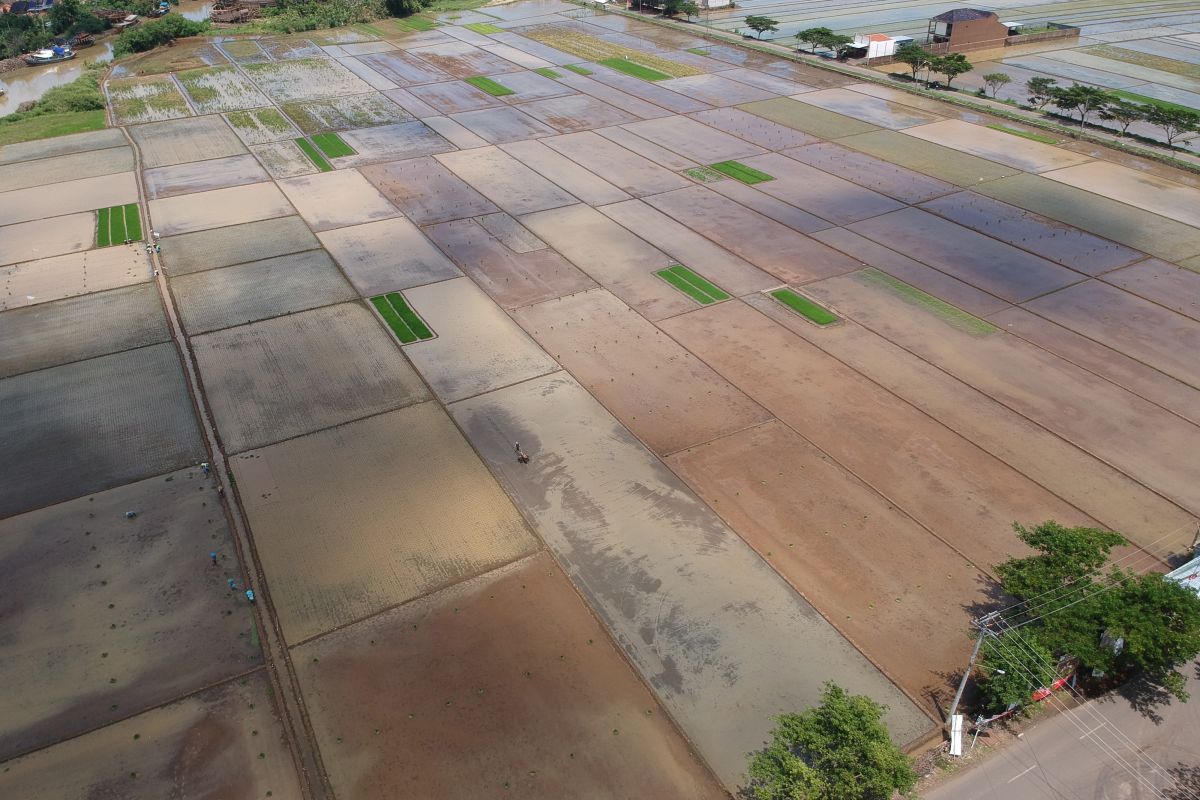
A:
{"points": [[162, 9], [83, 40], [59, 52], [128, 22]]}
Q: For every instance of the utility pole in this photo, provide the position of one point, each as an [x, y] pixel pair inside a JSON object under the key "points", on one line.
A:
{"points": [[982, 624]]}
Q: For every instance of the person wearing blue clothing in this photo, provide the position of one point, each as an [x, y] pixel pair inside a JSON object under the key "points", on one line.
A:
{"points": [[232, 585], [213, 556], [250, 595]]}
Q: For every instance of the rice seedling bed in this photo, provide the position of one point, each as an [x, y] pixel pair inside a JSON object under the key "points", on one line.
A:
{"points": [[692, 285], [804, 307], [483, 27], [332, 145], [490, 86], [739, 171], [314, 155], [403, 321], [117, 223], [547, 72], [635, 69]]}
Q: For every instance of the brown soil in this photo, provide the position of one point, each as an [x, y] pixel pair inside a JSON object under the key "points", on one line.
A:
{"points": [[665, 395], [616, 163], [500, 685], [1177, 289], [426, 191]]}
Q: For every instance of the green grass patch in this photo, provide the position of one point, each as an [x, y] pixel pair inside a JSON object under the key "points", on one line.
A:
{"points": [[483, 27], [402, 331], [635, 69], [314, 155], [739, 171], [414, 24], [490, 86], [102, 222], [804, 307], [952, 314], [370, 30], [692, 285], [1037, 137], [547, 72], [332, 145], [47, 126], [403, 321], [1150, 101], [578, 70], [704, 174], [133, 222], [697, 51]]}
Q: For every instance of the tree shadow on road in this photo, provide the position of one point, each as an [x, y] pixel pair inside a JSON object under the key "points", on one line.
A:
{"points": [[1144, 696], [1187, 780]]}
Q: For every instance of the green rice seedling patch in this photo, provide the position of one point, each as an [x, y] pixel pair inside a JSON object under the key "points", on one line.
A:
{"points": [[332, 145], [635, 69], [1150, 101], [370, 30], [1161, 63], [955, 316], [547, 72], [414, 24], [804, 307], [578, 70], [483, 27], [102, 222], [704, 174], [697, 51], [403, 321], [314, 155], [490, 86], [739, 171], [592, 48], [133, 222], [1037, 137], [692, 285]]}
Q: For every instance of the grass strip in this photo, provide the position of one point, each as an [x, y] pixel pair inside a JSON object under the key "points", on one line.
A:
{"points": [[415, 323], [332, 145], [483, 27], [635, 69], [102, 237], [313, 155], [952, 314], [578, 70], [699, 282], [804, 307], [1150, 101], [1037, 137], [547, 72], [402, 331], [133, 222], [676, 280], [739, 171], [490, 86], [414, 24], [47, 126]]}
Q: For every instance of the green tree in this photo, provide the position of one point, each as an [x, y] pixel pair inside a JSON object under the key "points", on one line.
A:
{"points": [[951, 65], [689, 9], [1012, 671], [839, 43], [1122, 112], [1175, 122], [64, 14], [1081, 99], [915, 56], [1040, 91], [402, 8], [995, 81], [761, 25], [814, 37], [1113, 621], [839, 750]]}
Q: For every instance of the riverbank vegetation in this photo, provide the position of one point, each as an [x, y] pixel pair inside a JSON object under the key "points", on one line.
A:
{"points": [[73, 108]]}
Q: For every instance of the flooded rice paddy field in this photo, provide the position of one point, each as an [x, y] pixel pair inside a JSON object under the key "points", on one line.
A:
{"points": [[574, 528]]}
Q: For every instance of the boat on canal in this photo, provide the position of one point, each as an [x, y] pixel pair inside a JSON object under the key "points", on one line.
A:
{"points": [[52, 55]]}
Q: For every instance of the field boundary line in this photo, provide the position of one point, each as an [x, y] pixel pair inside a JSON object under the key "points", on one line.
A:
{"points": [[310, 771]]}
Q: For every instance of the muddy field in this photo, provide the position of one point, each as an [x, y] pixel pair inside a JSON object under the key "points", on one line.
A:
{"points": [[503, 684], [218, 208], [80, 328], [165, 144], [55, 169], [317, 502], [225, 741], [301, 365], [107, 616], [49, 279], [114, 419], [251, 241], [388, 255]]}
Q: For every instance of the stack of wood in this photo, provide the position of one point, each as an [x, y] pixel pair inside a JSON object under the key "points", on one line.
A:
{"points": [[232, 12]]}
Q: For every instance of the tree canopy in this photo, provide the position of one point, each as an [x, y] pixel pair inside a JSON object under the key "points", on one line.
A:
{"points": [[951, 65], [1110, 621], [917, 57], [839, 750], [995, 81], [761, 25], [1039, 90]]}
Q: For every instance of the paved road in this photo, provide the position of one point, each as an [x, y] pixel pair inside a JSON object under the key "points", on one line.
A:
{"points": [[1080, 756]]}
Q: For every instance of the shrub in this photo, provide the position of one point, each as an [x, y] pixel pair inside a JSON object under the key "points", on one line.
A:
{"points": [[151, 34]]}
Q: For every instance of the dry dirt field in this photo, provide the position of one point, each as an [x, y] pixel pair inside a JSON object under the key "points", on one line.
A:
{"points": [[521, 515]]}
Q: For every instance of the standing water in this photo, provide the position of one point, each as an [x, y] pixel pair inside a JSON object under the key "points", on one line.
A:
{"points": [[30, 83]]}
